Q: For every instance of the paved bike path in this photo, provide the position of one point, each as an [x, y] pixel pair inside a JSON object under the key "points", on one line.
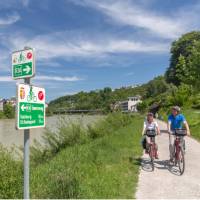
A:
{"points": [[165, 182]]}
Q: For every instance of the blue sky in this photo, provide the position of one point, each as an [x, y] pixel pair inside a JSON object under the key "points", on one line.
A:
{"points": [[83, 45]]}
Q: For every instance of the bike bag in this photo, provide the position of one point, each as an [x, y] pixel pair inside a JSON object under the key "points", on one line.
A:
{"points": [[151, 133], [180, 132]]}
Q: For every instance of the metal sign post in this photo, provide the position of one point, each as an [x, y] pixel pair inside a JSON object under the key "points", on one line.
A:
{"points": [[30, 107], [26, 155]]}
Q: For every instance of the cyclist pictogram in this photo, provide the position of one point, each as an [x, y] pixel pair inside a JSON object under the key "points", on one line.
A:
{"points": [[31, 96]]}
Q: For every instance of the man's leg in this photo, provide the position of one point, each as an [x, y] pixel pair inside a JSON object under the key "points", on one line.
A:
{"points": [[182, 142], [171, 146]]}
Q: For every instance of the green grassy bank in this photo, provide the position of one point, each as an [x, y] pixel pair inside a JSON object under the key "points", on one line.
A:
{"points": [[193, 118], [102, 164]]}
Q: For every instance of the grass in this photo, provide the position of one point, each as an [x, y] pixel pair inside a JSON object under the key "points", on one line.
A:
{"points": [[10, 176], [104, 168], [193, 119], [102, 163]]}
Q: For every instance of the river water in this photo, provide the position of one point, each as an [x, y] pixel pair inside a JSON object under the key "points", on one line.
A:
{"points": [[9, 136]]}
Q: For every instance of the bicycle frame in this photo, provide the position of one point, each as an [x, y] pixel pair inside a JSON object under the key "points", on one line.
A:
{"points": [[179, 153], [177, 147], [152, 152]]}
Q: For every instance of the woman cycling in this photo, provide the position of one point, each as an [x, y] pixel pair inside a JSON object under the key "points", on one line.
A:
{"points": [[150, 124]]}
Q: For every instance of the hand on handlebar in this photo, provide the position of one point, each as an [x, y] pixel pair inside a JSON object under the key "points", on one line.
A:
{"points": [[170, 132]]}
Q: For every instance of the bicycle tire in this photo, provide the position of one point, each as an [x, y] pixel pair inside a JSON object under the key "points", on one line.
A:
{"points": [[151, 157], [181, 162]]}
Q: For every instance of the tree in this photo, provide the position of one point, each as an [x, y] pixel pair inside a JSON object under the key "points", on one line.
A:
{"points": [[183, 53], [156, 86], [141, 107]]}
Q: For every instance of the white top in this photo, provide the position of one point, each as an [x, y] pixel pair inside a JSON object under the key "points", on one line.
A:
{"points": [[150, 126]]}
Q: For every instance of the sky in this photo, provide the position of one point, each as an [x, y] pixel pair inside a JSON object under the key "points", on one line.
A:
{"points": [[84, 45]]}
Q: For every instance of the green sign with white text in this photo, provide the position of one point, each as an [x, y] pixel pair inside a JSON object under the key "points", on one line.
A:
{"points": [[31, 114], [30, 107], [23, 64]]}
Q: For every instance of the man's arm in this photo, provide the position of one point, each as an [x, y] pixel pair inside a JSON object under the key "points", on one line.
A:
{"points": [[187, 128]]}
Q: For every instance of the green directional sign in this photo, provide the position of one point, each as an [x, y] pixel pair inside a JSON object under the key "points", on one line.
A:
{"points": [[23, 64], [30, 107]]}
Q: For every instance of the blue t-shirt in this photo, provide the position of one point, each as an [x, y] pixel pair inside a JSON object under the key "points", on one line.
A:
{"points": [[177, 121]]}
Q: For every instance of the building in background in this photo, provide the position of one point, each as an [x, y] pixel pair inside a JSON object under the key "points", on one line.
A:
{"points": [[129, 105]]}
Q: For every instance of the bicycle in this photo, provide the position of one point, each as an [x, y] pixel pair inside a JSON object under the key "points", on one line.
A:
{"points": [[178, 149], [152, 147]]}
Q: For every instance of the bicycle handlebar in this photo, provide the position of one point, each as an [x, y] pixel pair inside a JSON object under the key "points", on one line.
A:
{"points": [[179, 132]]}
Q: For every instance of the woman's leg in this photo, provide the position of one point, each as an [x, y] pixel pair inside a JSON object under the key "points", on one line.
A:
{"points": [[147, 143]]}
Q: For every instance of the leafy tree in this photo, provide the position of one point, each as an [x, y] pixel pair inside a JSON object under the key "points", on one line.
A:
{"points": [[156, 86], [183, 51], [180, 95], [141, 107]]}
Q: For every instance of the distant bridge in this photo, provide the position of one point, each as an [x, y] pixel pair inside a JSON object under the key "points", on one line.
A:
{"points": [[71, 111]]}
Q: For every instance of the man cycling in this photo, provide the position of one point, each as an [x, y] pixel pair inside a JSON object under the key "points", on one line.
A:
{"points": [[175, 121]]}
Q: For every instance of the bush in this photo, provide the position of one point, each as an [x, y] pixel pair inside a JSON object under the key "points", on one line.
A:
{"points": [[142, 106], [9, 111], [2, 116], [10, 176], [71, 134]]}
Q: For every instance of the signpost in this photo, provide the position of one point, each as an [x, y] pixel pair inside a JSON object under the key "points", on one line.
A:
{"points": [[30, 107], [23, 64]]}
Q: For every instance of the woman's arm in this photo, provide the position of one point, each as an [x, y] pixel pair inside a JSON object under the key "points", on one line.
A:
{"points": [[144, 129], [158, 130]]}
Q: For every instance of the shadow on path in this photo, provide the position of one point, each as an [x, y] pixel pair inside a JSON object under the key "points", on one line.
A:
{"points": [[159, 164]]}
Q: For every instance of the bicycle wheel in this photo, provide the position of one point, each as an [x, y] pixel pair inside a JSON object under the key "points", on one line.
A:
{"points": [[181, 161], [151, 155]]}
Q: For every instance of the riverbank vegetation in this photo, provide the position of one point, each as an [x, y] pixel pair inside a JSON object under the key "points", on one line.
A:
{"points": [[8, 112], [98, 161]]}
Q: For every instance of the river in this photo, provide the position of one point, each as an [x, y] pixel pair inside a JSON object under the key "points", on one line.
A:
{"points": [[9, 136]]}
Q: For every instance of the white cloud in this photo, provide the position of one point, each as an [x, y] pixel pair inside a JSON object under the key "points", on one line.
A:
{"points": [[129, 13], [129, 74], [45, 78], [58, 78], [8, 20], [59, 45], [5, 78], [25, 3]]}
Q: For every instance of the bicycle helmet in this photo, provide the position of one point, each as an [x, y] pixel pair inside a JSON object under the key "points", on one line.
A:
{"points": [[177, 108], [150, 114]]}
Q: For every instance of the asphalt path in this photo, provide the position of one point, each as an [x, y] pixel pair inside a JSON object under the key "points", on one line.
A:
{"points": [[165, 182]]}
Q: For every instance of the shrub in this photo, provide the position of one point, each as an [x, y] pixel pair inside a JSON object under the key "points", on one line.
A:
{"points": [[71, 134], [10, 176]]}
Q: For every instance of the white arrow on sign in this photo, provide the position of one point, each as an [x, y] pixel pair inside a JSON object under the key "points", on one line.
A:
{"points": [[23, 107], [27, 69]]}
